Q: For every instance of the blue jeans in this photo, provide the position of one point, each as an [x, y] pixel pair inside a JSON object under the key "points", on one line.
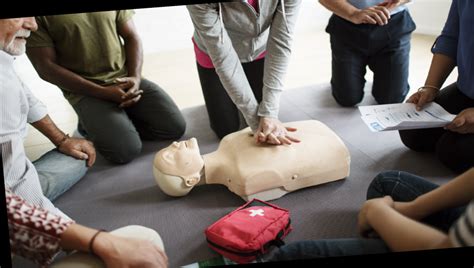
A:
{"points": [[312, 249], [58, 172], [401, 186]]}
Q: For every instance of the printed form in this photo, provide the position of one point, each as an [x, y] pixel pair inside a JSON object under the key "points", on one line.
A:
{"points": [[404, 116]]}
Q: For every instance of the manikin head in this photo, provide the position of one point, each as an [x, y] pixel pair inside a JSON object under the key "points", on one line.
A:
{"points": [[13, 34], [177, 168]]}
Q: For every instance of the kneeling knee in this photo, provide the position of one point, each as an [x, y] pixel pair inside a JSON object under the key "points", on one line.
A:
{"points": [[123, 153], [347, 96], [179, 128], [377, 186]]}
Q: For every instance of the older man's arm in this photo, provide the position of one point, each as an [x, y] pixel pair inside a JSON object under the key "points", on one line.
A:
{"points": [[77, 148]]}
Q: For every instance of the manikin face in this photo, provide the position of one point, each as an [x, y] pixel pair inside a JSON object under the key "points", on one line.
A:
{"points": [[181, 159], [13, 34]]}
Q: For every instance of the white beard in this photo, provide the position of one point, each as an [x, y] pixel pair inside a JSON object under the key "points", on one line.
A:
{"points": [[17, 46]]}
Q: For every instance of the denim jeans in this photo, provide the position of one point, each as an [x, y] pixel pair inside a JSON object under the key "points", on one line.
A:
{"points": [[58, 172], [401, 186], [404, 186], [329, 248]]}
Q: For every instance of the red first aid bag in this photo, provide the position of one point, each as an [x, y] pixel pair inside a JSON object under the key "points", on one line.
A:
{"points": [[249, 231]]}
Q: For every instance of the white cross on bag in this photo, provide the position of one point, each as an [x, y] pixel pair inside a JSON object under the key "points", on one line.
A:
{"points": [[254, 212]]}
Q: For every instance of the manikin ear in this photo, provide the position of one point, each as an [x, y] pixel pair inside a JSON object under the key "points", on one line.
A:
{"points": [[168, 157], [191, 181], [171, 185]]}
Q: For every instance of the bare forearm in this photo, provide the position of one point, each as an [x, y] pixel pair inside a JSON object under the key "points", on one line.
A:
{"points": [[340, 7], [403, 234], [134, 52], [441, 66], [70, 81], [49, 129], [77, 237], [457, 192]]}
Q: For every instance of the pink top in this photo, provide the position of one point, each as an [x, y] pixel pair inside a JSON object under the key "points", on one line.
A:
{"points": [[205, 61]]}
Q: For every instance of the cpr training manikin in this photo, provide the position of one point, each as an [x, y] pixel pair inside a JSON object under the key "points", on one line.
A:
{"points": [[252, 170]]}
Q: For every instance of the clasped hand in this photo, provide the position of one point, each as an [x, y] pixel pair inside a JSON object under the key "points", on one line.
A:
{"points": [[125, 91], [378, 14], [374, 208]]}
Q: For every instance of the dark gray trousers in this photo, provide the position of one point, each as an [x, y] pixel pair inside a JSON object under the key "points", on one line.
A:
{"points": [[117, 133]]}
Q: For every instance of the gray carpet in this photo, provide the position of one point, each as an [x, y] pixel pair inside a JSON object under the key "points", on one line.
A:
{"points": [[111, 196]]}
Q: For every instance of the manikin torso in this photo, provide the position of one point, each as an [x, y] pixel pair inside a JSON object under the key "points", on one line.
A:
{"points": [[268, 172]]}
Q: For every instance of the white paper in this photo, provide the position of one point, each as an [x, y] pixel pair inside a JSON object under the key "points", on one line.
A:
{"points": [[404, 116]]}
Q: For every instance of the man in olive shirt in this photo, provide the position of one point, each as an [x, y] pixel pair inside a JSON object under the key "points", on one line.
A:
{"points": [[83, 55]]}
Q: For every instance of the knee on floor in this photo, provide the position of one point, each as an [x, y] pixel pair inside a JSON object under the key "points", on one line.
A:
{"points": [[346, 95], [123, 152]]}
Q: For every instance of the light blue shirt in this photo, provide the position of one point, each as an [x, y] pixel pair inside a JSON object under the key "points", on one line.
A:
{"points": [[17, 107], [362, 4]]}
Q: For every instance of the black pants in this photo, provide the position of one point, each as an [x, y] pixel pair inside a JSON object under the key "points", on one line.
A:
{"points": [[454, 150], [224, 116], [385, 49], [117, 133]]}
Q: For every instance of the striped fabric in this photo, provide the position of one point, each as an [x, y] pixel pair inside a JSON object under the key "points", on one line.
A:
{"points": [[17, 107], [461, 233]]}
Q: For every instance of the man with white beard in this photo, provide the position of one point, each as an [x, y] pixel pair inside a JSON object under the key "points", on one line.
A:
{"points": [[37, 229], [59, 168]]}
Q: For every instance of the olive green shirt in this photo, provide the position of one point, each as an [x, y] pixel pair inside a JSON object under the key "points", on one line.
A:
{"points": [[87, 44]]}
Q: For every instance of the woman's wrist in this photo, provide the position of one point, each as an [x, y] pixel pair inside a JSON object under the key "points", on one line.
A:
{"points": [[92, 240], [428, 86], [102, 245]]}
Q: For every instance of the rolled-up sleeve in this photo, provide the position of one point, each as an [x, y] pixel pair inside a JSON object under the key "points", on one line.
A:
{"points": [[37, 110], [447, 42], [205, 18], [278, 56]]}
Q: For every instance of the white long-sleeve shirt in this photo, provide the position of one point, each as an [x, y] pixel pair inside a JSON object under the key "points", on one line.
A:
{"points": [[18, 106]]}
